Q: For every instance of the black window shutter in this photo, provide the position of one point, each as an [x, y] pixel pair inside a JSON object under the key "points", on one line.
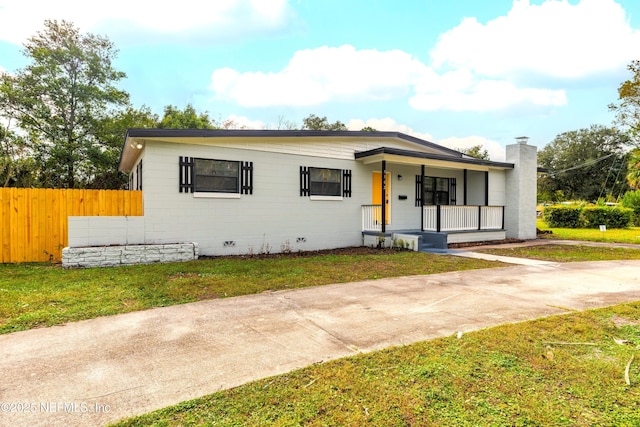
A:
{"points": [[187, 172], [140, 175], [418, 190], [304, 181], [246, 178], [452, 190], [346, 183]]}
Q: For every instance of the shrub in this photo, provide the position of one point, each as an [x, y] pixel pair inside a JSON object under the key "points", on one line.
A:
{"points": [[563, 216], [579, 216], [631, 200], [611, 216]]}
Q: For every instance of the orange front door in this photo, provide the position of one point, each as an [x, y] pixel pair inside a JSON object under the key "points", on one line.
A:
{"points": [[376, 195]]}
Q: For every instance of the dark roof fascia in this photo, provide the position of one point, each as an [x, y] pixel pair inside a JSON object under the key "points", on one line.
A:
{"points": [[419, 155], [255, 133]]}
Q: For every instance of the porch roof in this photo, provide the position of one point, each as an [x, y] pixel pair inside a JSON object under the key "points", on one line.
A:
{"points": [[395, 155]]}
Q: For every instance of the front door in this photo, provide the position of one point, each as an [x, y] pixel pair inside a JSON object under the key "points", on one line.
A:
{"points": [[376, 195]]}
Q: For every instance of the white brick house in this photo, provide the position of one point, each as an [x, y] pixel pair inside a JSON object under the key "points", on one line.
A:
{"points": [[250, 191]]}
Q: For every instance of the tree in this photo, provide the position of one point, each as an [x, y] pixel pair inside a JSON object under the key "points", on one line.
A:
{"points": [[188, 118], [313, 122], [585, 164], [284, 124], [633, 169], [61, 101], [112, 131], [16, 168], [628, 107], [368, 129], [475, 151]]}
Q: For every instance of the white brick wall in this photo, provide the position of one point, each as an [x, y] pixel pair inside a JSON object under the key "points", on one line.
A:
{"points": [[105, 230], [521, 188], [275, 217]]}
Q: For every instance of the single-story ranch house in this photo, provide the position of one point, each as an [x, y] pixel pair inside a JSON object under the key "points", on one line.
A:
{"points": [[227, 192]]}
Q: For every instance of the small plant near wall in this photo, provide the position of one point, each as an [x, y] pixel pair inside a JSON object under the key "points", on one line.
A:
{"points": [[381, 240], [285, 248]]}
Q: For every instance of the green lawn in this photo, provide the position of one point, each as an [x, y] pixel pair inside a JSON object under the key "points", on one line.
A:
{"points": [[557, 371], [33, 295], [527, 374], [567, 253], [620, 235]]}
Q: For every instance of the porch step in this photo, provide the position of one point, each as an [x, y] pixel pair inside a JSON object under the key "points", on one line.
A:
{"points": [[433, 242], [431, 249]]}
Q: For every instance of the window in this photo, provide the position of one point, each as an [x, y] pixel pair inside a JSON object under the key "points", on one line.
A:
{"points": [[325, 182], [436, 191], [215, 176]]}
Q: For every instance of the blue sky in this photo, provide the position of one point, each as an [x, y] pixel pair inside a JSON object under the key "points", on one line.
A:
{"points": [[455, 72]]}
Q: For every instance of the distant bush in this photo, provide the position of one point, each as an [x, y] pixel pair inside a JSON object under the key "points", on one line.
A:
{"points": [[611, 216], [562, 216], [631, 200], [576, 216]]}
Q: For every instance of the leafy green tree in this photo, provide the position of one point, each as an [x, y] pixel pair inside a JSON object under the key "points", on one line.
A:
{"points": [[585, 164], [631, 200], [368, 129], [16, 168], [112, 131], [628, 106], [61, 100], [313, 122], [476, 151], [189, 118], [633, 169]]}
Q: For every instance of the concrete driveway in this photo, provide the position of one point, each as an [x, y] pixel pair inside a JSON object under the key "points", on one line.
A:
{"points": [[98, 371]]}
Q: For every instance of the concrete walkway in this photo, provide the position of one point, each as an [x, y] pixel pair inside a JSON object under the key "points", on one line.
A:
{"points": [[470, 252], [97, 371]]}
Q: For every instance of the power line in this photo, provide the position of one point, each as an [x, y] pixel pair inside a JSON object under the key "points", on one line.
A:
{"points": [[588, 163]]}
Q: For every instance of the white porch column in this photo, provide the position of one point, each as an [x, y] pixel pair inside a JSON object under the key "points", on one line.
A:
{"points": [[520, 207]]}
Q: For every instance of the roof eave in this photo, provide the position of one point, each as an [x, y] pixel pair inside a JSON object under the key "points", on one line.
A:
{"points": [[386, 151]]}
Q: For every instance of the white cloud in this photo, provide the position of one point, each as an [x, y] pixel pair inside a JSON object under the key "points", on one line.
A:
{"points": [[315, 76], [495, 150], [387, 124], [161, 19], [462, 91], [344, 74], [474, 66], [556, 39], [242, 122]]}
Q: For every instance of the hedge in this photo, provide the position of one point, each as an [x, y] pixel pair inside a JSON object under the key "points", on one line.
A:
{"points": [[631, 200], [562, 216]]}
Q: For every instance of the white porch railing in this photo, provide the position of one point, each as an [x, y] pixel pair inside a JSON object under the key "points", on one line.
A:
{"points": [[371, 217], [462, 218], [443, 218]]}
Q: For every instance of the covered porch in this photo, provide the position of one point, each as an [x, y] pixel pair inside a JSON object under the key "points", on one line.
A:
{"points": [[456, 198]]}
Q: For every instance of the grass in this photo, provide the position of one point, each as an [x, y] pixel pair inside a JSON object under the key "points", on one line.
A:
{"points": [[34, 295], [566, 253], [619, 235], [525, 374]]}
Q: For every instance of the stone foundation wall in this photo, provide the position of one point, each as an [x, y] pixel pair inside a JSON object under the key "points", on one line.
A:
{"points": [[109, 256]]}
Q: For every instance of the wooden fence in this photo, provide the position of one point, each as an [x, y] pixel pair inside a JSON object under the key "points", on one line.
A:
{"points": [[33, 221]]}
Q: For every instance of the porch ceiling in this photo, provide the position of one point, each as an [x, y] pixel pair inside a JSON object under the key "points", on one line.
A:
{"points": [[394, 155]]}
